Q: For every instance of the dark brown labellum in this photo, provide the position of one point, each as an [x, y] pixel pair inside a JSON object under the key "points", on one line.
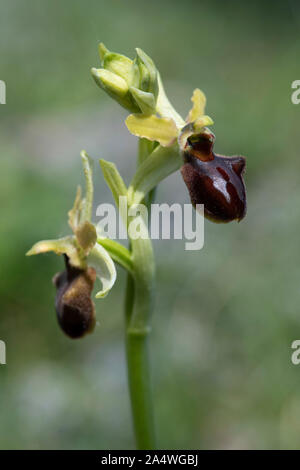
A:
{"points": [[74, 307], [214, 180]]}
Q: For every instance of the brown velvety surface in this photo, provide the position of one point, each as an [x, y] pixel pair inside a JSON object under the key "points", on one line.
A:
{"points": [[74, 306]]}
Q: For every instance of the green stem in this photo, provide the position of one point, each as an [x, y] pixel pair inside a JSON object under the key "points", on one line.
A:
{"points": [[129, 298], [140, 389], [138, 310]]}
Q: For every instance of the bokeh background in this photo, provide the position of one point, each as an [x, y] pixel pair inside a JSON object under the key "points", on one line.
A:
{"points": [[226, 316]]}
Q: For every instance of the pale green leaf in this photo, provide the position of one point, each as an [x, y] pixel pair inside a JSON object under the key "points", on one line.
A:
{"points": [[162, 162], [113, 179]]}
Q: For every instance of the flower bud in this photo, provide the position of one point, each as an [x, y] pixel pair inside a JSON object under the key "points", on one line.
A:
{"points": [[214, 180], [116, 87], [132, 83], [74, 306]]}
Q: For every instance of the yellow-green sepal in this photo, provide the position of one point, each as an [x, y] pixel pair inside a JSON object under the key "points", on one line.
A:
{"points": [[61, 246], [154, 128]]}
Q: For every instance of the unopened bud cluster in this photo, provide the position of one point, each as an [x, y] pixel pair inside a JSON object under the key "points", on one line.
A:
{"points": [[132, 83]]}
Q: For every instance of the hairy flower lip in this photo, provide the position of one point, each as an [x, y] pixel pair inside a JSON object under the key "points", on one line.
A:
{"points": [[73, 304]]}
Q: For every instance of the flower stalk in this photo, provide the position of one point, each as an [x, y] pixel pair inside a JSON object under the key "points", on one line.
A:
{"points": [[167, 143], [138, 310]]}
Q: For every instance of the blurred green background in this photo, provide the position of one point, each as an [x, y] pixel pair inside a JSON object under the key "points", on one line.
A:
{"points": [[226, 316]]}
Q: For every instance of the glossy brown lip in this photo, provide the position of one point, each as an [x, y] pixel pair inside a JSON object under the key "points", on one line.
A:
{"points": [[214, 180]]}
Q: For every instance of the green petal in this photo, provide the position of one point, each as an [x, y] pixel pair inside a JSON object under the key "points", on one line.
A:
{"points": [[100, 260], [145, 101], [75, 213], [87, 163], [60, 246], [162, 130], [199, 101], [82, 207]]}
